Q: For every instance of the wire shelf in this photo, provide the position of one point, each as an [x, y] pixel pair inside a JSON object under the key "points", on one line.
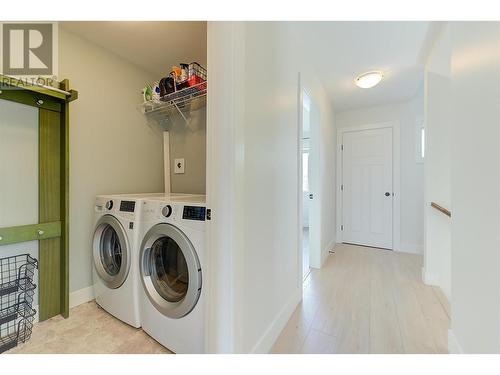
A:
{"points": [[179, 102], [16, 299]]}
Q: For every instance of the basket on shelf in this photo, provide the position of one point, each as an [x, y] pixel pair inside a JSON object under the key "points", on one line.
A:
{"points": [[185, 95], [194, 85], [16, 300], [179, 97], [196, 75]]}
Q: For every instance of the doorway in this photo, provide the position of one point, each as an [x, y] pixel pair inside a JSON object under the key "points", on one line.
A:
{"points": [[309, 197], [306, 191], [369, 213]]}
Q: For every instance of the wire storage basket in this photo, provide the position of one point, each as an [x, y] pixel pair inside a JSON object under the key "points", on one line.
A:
{"points": [[16, 300], [178, 97], [196, 75], [195, 85]]}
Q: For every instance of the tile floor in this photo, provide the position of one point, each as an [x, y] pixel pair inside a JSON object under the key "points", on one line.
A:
{"points": [[88, 330], [367, 300]]}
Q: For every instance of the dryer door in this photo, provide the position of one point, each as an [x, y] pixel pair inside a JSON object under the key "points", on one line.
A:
{"points": [[111, 252], [170, 270]]}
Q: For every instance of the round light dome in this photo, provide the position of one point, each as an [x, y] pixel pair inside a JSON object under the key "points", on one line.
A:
{"points": [[369, 79]]}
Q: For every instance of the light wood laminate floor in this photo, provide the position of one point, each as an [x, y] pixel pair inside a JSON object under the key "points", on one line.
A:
{"points": [[367, 300]]}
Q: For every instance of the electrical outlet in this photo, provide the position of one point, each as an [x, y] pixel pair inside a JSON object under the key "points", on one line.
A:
{"points": [[178, 166]]}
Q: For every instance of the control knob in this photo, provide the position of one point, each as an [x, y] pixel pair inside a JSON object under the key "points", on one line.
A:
{"points": [[167, 210], [109, 205]]}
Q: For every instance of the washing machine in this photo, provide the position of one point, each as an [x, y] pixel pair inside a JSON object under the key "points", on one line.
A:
{"points": [[171, 265], [116, 256]]}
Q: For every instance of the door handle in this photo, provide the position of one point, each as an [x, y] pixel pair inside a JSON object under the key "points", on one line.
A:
{"points": [[387, 194], [311, 196]]}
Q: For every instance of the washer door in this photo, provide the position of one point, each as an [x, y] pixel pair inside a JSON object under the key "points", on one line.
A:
{"points": [[111, 252], [170, 271]]}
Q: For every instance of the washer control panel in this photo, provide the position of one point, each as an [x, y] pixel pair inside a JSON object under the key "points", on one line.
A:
{"points": [[122, 208], [127, 206]]}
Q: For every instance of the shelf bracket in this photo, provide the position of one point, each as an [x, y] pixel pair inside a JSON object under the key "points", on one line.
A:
{"points": [[180, 112]]}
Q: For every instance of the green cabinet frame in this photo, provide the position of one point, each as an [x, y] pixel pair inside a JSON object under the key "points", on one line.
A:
{"points": [[52, 231]]}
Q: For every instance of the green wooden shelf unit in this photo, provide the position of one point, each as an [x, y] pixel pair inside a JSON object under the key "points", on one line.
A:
{"points": [[52, 230]]}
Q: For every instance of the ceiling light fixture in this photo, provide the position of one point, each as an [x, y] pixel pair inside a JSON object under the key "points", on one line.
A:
{"points": [[369, 79]]}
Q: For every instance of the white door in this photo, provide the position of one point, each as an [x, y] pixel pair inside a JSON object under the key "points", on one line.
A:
{"points": [[367, 194]]}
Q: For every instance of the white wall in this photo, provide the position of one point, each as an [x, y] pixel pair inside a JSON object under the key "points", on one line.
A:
{"points": [[475, 182], [261, 120], [112, 150], [300, 48], [270, 247], [437, 254], [407, 114], [327, 169], [188, 140], [225, 162]]}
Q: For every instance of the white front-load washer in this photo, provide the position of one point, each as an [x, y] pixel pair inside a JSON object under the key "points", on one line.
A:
{"points": [[115, 256], [171, 264]]}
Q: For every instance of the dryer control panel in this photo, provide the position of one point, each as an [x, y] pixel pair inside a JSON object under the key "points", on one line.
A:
{"points": [[194, 213], [187, 215]]}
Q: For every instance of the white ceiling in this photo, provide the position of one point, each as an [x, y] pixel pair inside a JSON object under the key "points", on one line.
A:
{"points": [[153, 46], [340, 51]]}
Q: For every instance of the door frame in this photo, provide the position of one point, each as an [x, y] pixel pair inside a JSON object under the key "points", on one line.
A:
{"points": [[300, 208], [396, 177], [300, 197], [314, 259]]}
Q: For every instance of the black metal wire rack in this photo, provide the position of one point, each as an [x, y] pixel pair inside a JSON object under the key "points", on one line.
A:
{"points": [[16, 299]]}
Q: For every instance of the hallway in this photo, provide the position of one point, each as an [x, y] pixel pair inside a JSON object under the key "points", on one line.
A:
{"points": [[367, 300]]}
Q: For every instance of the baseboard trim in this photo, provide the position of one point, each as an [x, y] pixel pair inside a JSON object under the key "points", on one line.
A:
{"points": [[454, 346], [410, 248], [81, 296], [266, 342], [429, 279], [75, 298]]}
